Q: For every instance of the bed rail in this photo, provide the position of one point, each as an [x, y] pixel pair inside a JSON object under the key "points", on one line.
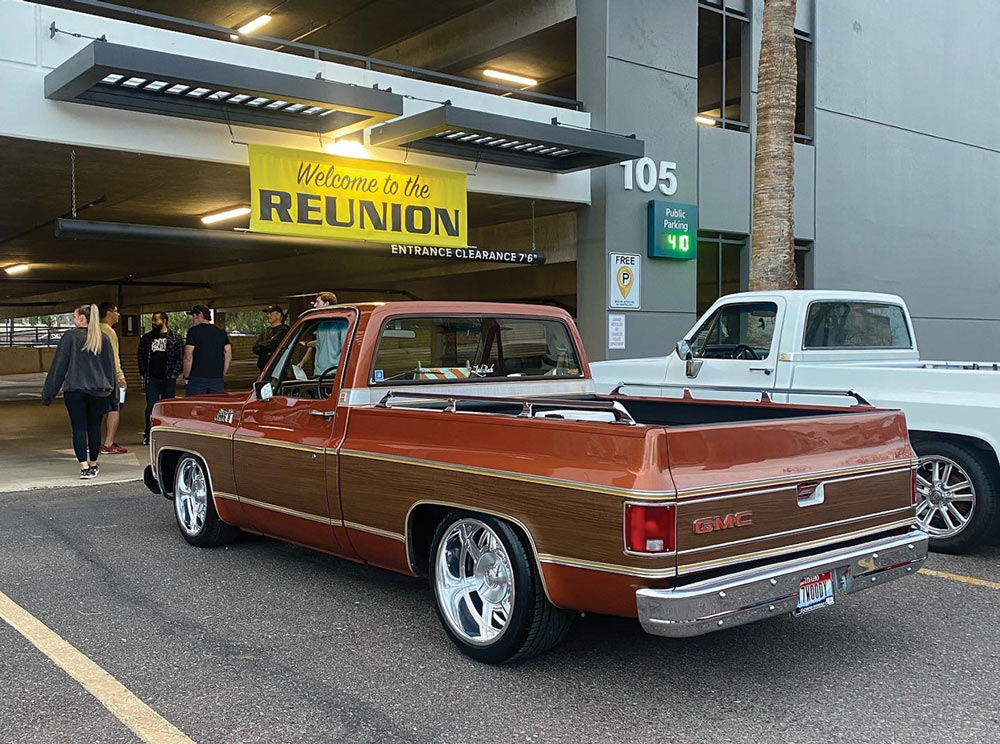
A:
{"points": [[765, 393], [529, 406]]}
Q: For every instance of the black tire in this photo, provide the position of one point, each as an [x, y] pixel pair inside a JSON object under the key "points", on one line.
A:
{"points": [[204, 530], [985, 514], [534, 624]]}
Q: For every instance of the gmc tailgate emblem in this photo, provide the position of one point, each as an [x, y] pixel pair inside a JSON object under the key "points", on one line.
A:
{"points": [[723, 522]]}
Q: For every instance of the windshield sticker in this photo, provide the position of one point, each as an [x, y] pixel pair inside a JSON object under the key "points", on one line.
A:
{"points": [[379, 375], [481, 370]]}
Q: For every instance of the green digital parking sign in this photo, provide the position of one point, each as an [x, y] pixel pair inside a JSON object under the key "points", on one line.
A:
{"points": [[673, 230]]}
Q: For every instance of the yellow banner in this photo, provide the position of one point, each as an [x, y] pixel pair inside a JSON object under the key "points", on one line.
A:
{"points": [[312, 194]]}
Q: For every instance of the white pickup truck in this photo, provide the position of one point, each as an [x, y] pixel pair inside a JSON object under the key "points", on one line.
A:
{"points": [[862, 342]]}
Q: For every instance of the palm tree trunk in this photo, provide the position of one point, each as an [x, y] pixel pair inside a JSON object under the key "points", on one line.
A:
{"points": [[772, 257]]}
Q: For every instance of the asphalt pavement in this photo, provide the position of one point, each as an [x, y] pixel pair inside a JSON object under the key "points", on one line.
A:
{"points": [[268, 642]]}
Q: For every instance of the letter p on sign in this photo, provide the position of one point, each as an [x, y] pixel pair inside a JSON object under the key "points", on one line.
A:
{"points": [[624, 271]]}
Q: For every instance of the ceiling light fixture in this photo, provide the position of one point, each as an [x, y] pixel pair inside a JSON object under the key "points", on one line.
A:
{"points": [[256, 23], [348, 148], [707, 121], [509, 77], [229, 214], [234, 37], [17, 268]]}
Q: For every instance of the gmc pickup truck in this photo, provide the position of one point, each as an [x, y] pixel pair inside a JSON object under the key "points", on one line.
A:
{"points": [[864, 342], [464, 442]]}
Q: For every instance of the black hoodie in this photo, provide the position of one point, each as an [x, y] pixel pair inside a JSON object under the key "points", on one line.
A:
{"points": [[74, 369]]}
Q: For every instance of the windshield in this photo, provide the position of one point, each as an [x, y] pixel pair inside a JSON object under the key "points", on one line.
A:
{"points": [[737, 331], [444, 349]]}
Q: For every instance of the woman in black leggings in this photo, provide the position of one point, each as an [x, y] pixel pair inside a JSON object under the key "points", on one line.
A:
{"points": [[84, 367]]}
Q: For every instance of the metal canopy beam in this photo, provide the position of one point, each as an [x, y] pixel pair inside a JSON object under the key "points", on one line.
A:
{"points": [[124, 231], [120, 76], [506, 140]]}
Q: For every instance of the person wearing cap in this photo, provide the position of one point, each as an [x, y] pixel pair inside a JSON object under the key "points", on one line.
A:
{"points": [[207, 353], [270, 338]]}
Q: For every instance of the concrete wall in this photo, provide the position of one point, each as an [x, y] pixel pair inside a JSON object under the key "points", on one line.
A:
{"points": [[908, 163], [22, 361]]}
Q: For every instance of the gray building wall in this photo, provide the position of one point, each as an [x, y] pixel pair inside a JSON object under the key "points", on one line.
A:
{"points": [[896, 191], [907, 165], [637, 72]]}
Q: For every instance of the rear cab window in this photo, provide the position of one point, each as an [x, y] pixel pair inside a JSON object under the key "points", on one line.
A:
{"points": [[425, 349], [836, 324], [743, 330]]}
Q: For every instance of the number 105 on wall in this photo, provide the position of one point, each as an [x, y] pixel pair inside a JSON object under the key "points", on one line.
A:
{"points": [[673, 230]]}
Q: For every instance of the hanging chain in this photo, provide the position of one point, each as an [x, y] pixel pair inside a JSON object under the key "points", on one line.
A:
{"points": [[533, 225], [72, 181]]}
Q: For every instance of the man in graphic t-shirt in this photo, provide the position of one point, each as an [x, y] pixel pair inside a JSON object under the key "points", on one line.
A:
{"points": [[161, 359], [207, 353]]}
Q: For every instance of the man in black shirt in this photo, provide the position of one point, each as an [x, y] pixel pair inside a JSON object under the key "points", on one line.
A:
{"points": [[270, 338], [161, 359], [207, 353]]}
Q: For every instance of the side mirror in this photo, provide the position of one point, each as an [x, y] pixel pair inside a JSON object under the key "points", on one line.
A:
{"points": [[692, 366], [263, 390]]}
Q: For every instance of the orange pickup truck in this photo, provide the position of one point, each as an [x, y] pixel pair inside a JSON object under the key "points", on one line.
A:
{"points": [[464, 442]]}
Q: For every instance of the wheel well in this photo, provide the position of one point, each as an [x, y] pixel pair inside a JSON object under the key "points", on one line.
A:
{"points": [[423, 523], [987, 454], [167, 468]]}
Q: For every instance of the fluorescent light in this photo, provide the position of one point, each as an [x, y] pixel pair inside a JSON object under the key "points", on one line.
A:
{"points": [[234, 37], [348, 148], [210, 219], [707, 121], [256, 23], [509, 78], [17, 268]]}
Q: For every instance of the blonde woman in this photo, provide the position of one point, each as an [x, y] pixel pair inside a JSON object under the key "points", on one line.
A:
{"points": [[84, 367]]}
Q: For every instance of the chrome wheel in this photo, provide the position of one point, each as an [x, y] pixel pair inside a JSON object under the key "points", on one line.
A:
{"points": [[474, 582], [191, 496], [946, 498]]}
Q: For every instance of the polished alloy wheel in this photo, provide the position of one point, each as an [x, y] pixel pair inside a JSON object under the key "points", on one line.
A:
{"points": [[191, 497], [946, 498], [474, 580]]}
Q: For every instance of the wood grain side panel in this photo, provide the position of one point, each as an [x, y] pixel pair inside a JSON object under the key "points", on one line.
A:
{"points": [[779, 510], [292, 478], [562, 521], [214, 449]]}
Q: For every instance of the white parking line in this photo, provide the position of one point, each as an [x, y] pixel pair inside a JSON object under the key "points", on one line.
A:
{"points": [[143, 721]]}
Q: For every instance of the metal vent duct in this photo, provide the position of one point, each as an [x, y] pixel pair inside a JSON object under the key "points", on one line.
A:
{"points": [[119, 76], [506, 140]]}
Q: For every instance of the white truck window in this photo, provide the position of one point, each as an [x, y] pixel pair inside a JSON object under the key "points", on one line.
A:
{"points": [[742, 330], [444, 349], [837, 324]]}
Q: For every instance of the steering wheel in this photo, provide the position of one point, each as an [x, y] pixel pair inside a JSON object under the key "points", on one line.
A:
{"points": [[319, 382], [742, 351]]}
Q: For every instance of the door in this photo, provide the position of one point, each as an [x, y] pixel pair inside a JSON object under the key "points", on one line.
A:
{"points": [[284, 451], [736, 345]]}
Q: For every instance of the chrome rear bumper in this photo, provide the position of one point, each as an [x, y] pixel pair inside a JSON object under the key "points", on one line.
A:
{"points": [[772, 590]]}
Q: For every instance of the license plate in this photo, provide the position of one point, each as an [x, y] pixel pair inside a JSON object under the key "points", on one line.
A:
{"points": [[815, 592]]}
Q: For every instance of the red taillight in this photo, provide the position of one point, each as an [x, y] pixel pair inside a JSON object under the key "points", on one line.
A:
{"points": [[913, 486], [649, 529]]}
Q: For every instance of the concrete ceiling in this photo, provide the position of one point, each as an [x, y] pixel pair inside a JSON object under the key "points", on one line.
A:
{"points": [[527, 37], [145, 189]]}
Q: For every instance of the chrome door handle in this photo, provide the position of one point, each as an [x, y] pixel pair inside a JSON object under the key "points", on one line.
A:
{"points": [[765, 370], [325, 414]]}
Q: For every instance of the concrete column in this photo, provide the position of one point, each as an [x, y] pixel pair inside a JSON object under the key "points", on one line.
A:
{"points": [[637, 65]]}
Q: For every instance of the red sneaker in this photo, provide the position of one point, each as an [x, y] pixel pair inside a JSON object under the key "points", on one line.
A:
{"points": [[105, 450], [114, 449]]}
